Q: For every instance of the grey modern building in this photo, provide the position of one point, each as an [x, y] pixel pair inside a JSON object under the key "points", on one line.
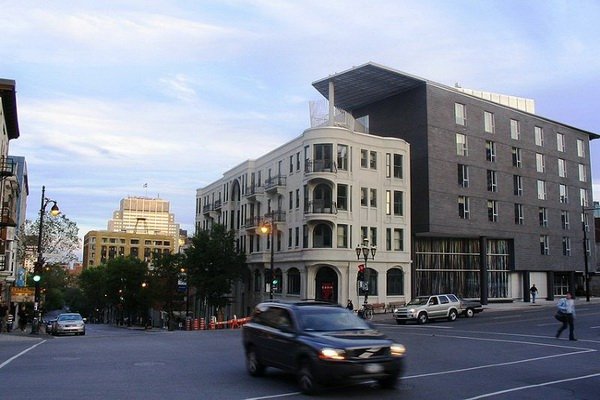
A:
{"points": [[500, 195]]}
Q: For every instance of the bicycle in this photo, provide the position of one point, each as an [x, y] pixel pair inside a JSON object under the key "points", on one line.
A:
{"points": [[366, 312]]}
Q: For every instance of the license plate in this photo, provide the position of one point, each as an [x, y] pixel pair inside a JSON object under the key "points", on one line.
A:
{"points": [[373, 368]]}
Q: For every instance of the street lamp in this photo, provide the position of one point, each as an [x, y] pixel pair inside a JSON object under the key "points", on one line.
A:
{"points": [[268, 227], [37, 270], [364, 250], [585, 249], [187, 292]]}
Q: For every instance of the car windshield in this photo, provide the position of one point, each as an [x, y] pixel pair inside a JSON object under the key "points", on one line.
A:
{"points": [[418, 301], [69, 318], [330, 320]]}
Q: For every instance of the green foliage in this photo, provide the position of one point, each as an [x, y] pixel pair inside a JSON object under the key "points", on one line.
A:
{"points": [[214, 264], [166, 274], [124, 278]]}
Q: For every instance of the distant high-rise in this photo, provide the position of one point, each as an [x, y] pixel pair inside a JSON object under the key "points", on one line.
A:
{"points": [[144, 215]]}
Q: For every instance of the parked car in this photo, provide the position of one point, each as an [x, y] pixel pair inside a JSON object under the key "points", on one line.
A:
{"points": [[48, 323], [321, 343], [423, 308], [68, 323], [469, 308]]}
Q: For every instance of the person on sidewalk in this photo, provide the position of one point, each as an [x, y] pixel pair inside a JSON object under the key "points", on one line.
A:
{"points": [[350, 306], [533, 290], [567, 306]]}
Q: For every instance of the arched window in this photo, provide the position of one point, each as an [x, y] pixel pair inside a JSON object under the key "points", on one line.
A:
{"points": [[372, 282], [322, 236], [293, 281], [395, 282]]}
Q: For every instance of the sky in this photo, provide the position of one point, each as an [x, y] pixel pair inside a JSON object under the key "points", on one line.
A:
{"points": [[114, 95]]}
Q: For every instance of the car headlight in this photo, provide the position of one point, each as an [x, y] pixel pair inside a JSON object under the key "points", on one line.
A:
{"points": [[397, 350], [332, 354]]}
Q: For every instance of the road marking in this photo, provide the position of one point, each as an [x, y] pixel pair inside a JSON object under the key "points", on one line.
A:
{"points": [[273, 396], [5, 363], [516, 389]]}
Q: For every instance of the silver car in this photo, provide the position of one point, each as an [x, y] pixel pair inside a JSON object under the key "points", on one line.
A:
{"points": [[69, 323]]}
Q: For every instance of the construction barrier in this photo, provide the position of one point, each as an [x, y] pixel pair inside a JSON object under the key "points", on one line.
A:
{"points": [[188, 324], [213, 323], [202, 324], [196, 324]]}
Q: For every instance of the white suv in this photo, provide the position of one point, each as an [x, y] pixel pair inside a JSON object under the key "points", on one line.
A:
{"points": [[424, 308]]}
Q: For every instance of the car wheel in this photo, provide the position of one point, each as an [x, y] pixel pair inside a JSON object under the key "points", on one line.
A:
{"points": [[422, 319], [388, 382], [400, 322], [253, 365], [469, 313], [306, 380], [452, 315]]}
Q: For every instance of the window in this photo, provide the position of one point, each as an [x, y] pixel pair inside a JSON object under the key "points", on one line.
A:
{"points": [[342, 197], [460, 114], [490, 151], [516, 157], [293, 281], [388, 165], [519, 216], [563, 193], [373, 160], [373, 198], [582, 173], [463, 175], [492, 181], [541, 189], [492, 210], [298, 161], [398, 203], [515, 129], [518, 185], [291, 200], [290, 238], [539, 136], [488, 122], [395, 282], [580, 148], [583, 198], [398, 241], [543, 213], [560, 142], [291, 164], [373, 236], [562, 168], [544, 247], [566, 246], [461, 145], [463, 207], [342, 157], [564, 219], [364, 232], [342, 236], [540, 163], [364, 196], [388, 202], [297, 238], [364, 158], [297, 198], [398, 159]]}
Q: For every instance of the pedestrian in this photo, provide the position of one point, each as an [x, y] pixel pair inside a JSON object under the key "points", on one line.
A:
{"points": [[533, 290], [3, 316], [350, 306], [566, 306]]}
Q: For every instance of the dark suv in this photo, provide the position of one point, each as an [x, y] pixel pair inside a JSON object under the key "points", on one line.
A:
{"points": [[320, 343]]}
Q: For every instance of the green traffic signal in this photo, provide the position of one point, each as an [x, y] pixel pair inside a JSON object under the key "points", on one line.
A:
{"points": [[36, 278]]}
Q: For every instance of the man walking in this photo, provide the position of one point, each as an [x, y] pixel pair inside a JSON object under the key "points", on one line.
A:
{"points": [[533, 290], [567, 307]]}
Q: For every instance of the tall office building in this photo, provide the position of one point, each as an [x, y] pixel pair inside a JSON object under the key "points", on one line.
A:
{"points": [[144, 215], [501, 196]]}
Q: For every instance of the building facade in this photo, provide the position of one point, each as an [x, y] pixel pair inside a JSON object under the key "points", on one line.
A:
{"points": [[321, 194], [500, 195], [101, 246], [12, 193]]}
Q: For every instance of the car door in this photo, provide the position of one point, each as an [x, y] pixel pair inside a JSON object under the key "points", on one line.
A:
{"points": [[434, 308], [444, 306], [282, 337]]}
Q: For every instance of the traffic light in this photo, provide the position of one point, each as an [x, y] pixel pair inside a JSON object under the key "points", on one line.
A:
{"points": [[275, 283], [361, 272]]}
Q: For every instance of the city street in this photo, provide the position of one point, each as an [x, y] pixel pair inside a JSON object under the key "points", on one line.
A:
{"points": [[500, 354]]}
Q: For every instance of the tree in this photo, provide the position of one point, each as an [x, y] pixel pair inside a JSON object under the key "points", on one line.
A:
{"points": [[92, 283], [165, 277], [214, 264], [124, 290], [60, 240]]}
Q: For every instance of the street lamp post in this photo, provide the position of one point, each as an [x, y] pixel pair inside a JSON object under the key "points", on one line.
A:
{"points": [[39, 264], [364, 250], [585, 249], [269, 227]]}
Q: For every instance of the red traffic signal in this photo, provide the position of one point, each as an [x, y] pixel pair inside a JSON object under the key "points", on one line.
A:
{"points": [[361, 268]]}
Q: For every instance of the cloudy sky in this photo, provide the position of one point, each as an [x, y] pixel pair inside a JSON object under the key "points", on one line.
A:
{"points": [[115, 94]]}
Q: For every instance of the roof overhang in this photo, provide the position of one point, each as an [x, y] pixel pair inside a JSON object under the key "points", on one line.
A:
{"points": [[366, 84], [9, 105]]}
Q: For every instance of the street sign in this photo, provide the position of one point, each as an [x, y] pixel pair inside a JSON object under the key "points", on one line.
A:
{"points": [[22, 294]]}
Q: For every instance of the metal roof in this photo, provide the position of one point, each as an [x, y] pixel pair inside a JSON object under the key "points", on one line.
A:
{"points": [[9, 104], [366, 84]]}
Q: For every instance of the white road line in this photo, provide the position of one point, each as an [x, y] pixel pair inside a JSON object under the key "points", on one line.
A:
{"points": [[273, 396], [5, 363], [516, 389]]}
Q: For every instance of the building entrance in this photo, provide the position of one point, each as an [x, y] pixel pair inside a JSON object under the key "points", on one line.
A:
{"points": [[326, 285]]}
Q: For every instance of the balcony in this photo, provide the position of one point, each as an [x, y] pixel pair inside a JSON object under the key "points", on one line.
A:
{"points": [[218, 204], [320, 210], [252, 223], [276, 216], [207, 208], [7, 167], [7, 217], [319, 166], [276, 184], [253, 191]]}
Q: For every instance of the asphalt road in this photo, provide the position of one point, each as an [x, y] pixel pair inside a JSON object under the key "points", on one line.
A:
{"points": [[496, 355]]}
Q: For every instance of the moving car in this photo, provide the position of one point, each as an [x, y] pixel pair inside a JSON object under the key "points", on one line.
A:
{"points": [[321, 343], [470, 307], [68, 323], [423, 308]]}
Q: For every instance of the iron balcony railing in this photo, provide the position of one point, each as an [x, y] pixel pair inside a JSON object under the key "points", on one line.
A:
{"points": [[320, 207], [275, 181], [312, 166], [7, 167]]}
